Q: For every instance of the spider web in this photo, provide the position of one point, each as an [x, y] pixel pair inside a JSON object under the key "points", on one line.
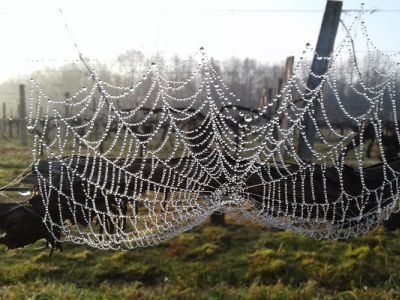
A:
{"points": [[119, 178]]}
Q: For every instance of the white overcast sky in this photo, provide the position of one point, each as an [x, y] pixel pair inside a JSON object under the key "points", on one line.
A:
{"points": [[267, 30]]}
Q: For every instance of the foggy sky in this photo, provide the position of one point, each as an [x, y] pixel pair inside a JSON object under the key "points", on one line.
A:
{"points": [[33, 33]]}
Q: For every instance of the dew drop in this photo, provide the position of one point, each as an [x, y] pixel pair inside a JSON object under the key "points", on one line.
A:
{"points": [[248, 118], [308, 45], [27, 193]]}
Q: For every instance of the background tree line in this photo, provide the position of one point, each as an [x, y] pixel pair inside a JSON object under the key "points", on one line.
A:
{"points": [[248, 78]]}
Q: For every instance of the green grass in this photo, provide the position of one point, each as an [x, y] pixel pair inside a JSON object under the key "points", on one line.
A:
{"points": [[238, 261], [232, 262]]}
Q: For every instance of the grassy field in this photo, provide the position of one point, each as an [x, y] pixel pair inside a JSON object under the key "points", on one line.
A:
{"points": [[238, 261]]}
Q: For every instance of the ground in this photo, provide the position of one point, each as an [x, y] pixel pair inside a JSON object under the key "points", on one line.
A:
{"points": [[238, 261]]}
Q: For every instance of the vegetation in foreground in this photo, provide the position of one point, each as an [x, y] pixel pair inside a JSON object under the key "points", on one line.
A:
{"points": [[238, 261], [232, 262]]}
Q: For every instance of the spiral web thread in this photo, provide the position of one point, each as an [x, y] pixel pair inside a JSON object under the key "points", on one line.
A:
{"points": [[119, 178]]}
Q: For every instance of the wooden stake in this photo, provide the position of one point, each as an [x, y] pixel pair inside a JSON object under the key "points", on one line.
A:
{"points": [[324, 48], [22, 116], [283, 119], [66, 95], [4, 116]]}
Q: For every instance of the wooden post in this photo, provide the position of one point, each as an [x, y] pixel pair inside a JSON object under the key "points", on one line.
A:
{"points": [[67, 95], [269, 99], [10, 121], [279, 100], [96, 122], [283, 118], [4, 116], [262, 98], [289, 68], [269, 94], [276, 133], [325, 44], [217, 219], [17, 121], [22, 116], [275, 108]]}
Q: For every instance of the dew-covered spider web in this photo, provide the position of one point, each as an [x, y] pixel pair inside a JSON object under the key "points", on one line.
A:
{"points": [[119, 168]]}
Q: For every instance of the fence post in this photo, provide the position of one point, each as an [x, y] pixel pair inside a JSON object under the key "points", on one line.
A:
{"points": [[97, 124], [270, 111], [67, 95], [276, 133], [17, 121], [324, 48], [4, 116], [283, 120], [10, 121], [22, 112]]}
